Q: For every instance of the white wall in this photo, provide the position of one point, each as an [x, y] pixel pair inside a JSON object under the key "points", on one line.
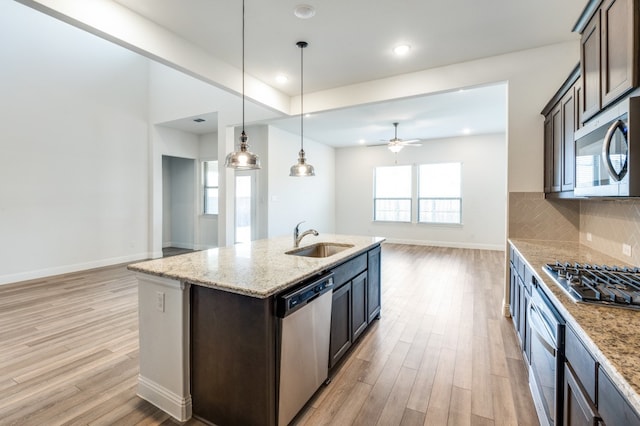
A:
{"points": [[293, 199], [483, 191], [74, 144], [207, 225]]}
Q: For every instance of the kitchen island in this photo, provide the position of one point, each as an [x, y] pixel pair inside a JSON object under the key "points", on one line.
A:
{"points": [[208, 329]]}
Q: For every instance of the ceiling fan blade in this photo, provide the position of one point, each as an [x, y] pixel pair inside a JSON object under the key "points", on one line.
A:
{"points": [[377, 144], [411, 144], [410, 141]]}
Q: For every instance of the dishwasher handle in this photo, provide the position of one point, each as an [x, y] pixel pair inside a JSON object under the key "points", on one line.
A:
{"points": [[305, 293]]}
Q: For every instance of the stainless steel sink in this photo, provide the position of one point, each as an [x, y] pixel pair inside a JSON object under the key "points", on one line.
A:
{"points": [[320, 250]]}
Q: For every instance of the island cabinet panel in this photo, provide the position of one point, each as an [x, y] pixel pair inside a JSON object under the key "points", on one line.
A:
{"points": [[340, 324], [359, 304], [233, 358], [373, 284], [356, 300]]}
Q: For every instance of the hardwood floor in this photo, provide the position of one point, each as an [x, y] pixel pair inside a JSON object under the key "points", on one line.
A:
{"points": [[441, 353]]}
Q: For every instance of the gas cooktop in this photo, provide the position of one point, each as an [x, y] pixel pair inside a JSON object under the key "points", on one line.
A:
{"points": [[598, 284]]}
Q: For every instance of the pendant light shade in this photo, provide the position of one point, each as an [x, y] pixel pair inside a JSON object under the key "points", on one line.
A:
{"points": [[243, 159], [301, 168]]}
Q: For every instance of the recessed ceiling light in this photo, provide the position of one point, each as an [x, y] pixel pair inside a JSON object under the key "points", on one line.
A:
{"points": [[304, 11], [361, 141], [401, 49], [282, 79], [466, 131], [307, 115]]}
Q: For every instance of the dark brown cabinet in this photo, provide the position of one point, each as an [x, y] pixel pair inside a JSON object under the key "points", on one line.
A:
{"points": [[356, 301], [340, 324], [612, 406], [520, 295], [579, 383], [560, 124], [373, 283], [608, 52], [578, 409], [359, 304]]}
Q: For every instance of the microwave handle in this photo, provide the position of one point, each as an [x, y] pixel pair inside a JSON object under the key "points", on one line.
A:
{"points": [[618, 124]]}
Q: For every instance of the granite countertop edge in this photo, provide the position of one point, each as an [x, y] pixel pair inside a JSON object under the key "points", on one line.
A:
{"points": [[259, 268], [602, 329]]}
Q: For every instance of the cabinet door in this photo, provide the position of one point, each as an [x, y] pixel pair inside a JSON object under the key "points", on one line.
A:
{"points": [[617, 66], [340, 324], [359, 305], [525, 334], [548, 157], [556, 151], [513, 283], [568, 145], [373, 284], [578, 409], [613, 408], [590, 63]]}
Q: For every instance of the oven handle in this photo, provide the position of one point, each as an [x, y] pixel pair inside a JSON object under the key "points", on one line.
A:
{"points": [[618, 124], [538, 326]]}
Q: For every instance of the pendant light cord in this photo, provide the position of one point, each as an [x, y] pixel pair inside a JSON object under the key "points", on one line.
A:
{"points": [[242, 66], [302, 98]]}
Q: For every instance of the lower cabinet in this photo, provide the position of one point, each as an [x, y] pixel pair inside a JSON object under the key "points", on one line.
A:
{"points": [[340, 324], [612, 406], [520, 294], [578, 409], [359, 305], [356, 301]]}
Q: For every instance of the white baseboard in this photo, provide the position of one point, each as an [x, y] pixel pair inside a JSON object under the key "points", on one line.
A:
{"points": [[452, 244], [65, 269], [178, 407]]}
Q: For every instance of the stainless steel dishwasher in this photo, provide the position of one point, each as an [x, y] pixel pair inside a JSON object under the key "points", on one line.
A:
{"points": [[305, 324]]}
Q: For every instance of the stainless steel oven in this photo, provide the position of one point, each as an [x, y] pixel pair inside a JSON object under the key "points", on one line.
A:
{"points": [[547, 357], [607, 164]]}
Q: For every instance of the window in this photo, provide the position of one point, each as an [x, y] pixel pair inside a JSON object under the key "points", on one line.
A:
{"points": [[439, 193], [392, 194], [210, 178]]}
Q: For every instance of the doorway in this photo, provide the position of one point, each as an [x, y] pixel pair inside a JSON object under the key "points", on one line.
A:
{"points": [[178, 203]]}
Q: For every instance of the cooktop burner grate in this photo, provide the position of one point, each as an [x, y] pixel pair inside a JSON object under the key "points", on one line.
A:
{"points": [[598, 284]]}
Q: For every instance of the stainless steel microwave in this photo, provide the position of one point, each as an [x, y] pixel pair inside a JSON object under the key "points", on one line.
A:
{"points": [[607, 160]]}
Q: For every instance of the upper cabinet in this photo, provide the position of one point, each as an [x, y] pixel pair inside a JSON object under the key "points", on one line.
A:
{"points": [[561, 121], [608, 70], [608, 52]]}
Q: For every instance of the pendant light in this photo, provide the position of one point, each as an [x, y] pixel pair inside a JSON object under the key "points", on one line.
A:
{"points": [[243, 159], [301, 168]]}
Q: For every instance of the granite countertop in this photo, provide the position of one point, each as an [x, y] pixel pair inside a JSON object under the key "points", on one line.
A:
{"points": [[610, 333], [259, 268]]}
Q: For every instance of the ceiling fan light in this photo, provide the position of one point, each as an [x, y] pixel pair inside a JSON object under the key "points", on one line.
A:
{"points": [[395, 148]]}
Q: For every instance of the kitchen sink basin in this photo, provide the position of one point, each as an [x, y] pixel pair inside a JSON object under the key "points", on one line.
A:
{"points": [[319, 250]]}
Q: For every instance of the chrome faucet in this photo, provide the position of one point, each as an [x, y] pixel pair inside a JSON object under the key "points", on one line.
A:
{"points": [[297, 237]]}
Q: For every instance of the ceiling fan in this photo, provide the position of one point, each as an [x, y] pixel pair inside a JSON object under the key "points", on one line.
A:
{"points": [[396, 144]]}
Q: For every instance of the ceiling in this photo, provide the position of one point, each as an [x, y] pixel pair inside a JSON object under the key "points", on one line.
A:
{"points": [[351, 42]]}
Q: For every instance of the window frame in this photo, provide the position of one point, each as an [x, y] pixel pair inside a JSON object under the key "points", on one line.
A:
{"points": [[206, 186], [376, 199], [427, 199]]}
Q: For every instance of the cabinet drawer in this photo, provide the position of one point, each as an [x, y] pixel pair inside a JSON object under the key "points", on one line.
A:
{"points": [[343, 273], [613, 408], [581, 362]]}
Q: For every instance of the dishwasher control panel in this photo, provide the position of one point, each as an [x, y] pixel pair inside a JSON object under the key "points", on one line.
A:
{"points": [[303, 294]]}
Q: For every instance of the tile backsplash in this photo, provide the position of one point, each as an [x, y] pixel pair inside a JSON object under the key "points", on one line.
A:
{"points": [[611, 223], [531, 216]]}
